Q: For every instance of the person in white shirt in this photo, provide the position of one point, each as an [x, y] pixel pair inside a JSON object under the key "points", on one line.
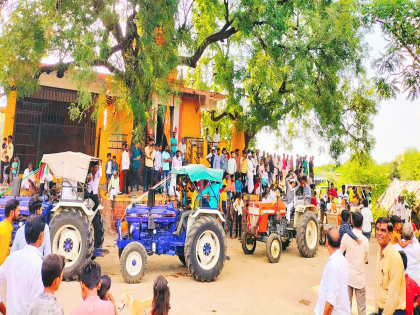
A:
{"points": [[333, 296], [114, 186], [357, 257], [367, 220], [412, 252], [22, 269], [44, 181], [250, 173], [216, 138], [182, 147], [232, 164], [407, 213], [272, 195], [157, 163], [125, 167], [93, 184], [29, 182]]}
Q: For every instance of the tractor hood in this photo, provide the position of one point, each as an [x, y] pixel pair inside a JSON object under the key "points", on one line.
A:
{"points": [[198, 172], [69, 165]]}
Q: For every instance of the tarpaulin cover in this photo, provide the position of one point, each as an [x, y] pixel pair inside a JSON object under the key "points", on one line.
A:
{"points": [[396, 188], [69, 165], [198, 172]]}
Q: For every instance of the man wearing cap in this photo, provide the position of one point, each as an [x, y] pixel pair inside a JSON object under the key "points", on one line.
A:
{"points": [[114, 185], [210, 157], [150, 155]]}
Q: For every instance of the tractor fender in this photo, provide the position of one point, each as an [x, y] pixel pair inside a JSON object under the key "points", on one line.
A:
{"points": [[76, 205], [203, 212]]}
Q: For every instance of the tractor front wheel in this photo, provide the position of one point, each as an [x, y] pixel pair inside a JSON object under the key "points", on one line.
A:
{"points": [[307, 234], [72, 238], [205, 249], [274, 248], [133, 262], [248, 243]]}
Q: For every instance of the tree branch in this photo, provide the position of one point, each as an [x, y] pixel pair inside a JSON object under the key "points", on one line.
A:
{"points": [[224, 114]]}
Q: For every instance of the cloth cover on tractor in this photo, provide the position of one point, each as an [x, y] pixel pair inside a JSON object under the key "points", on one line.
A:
{"points": [[396, 188], [198, 172]]}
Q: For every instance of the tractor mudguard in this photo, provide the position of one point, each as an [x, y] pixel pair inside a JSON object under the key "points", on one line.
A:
{"points": [[76, 205], [203, 212]]}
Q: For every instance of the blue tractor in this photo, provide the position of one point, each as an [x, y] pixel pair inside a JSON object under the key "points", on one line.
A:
{"points": [[77, 232], [148, 229]]}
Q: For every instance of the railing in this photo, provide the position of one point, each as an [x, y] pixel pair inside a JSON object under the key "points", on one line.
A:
{"points": [[195, 149]]}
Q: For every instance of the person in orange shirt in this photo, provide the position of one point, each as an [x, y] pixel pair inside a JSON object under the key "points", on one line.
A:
{"points": [[11, 213]]}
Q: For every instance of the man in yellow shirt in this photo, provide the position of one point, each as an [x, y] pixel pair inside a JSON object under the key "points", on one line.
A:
{"points": [[11, 213], [150, 156], [390, 278]]}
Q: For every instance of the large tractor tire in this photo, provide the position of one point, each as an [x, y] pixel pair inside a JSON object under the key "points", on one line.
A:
{"points": [[98, 231], [205, 249], [133, 262], [248, 244], [307, 234], [274, 248], [71, 237]]}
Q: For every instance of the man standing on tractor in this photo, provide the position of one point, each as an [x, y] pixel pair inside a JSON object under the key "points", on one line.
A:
{"points": [[333, 296], [93, 184], [306, 190], [292, 186]]}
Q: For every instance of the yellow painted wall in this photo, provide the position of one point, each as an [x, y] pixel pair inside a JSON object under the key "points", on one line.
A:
{"points": [[191, 119], [10, 110], [238, 139], [116, 122]]}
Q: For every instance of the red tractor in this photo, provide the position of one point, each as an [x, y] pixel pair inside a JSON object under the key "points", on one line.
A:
{"points": [[266, 222]]}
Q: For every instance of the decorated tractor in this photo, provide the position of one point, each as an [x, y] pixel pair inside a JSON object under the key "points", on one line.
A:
{"points": [[266, 222], [77, 232], [150, 229]]}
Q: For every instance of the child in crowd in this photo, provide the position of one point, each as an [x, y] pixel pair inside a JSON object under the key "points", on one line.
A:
{"points": [[108, 169], [396, 234], [6, 171], [52, 275], [15, 165], [161, 297], [345, 227], [90, 280], [103, 292], [3, 146]]}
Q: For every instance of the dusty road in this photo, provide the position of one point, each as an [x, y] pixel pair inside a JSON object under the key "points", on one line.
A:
{"points": [[247, 284]]}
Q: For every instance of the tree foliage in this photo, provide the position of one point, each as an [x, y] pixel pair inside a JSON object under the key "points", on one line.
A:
{"points": [[294, 67], [398, 68], [408, 165]]}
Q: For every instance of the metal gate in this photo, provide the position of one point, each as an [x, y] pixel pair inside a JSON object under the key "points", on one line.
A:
{"points": [[43, 125]]}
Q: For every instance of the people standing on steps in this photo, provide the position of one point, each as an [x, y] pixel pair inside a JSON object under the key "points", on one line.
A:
{"points": [[125, 167], [232, 164], [6, 151], [182, 147], [216, 138], [210, 157], [149, 157], [166, 161], [174, 144], [136, 155]]}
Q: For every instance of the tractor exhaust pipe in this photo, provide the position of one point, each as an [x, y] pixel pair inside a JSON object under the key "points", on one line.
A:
{"points": [[151, 204]]}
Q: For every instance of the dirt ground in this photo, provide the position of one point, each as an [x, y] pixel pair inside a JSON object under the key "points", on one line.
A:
{"points": [[247, 284]]}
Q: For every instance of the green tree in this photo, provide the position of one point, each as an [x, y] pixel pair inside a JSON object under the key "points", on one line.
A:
{"points": [[397, 68], [224, 125], [409, 167], [294, 67]]}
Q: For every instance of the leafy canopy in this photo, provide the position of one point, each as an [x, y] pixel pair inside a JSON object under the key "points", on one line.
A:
{"points": [[292, 66]]}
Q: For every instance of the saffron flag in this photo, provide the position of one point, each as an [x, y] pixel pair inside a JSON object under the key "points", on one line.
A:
{"points": [[167, 125]]}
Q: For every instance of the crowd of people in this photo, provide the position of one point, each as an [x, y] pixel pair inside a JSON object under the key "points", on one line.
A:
{"points": [[30, 273], [397, 267]]}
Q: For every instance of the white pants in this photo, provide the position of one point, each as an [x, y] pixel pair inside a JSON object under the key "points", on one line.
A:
{"points": [[289, 208], [113, 193], [250, 184]]}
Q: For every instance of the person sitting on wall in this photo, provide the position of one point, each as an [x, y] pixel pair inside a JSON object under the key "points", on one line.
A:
{"points": [[114, 186], [29, 182]]}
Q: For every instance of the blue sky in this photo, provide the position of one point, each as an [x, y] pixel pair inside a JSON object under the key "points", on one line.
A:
{"points": [[396, 126]]}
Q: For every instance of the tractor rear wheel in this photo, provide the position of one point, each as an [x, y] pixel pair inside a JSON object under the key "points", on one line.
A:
{"points": [[71, 237], [273, 248], [133, 262], [307, 234], [98, 229], [248, 243], [205, 249]]}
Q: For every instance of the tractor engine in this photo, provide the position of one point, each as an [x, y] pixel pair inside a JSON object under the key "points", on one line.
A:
{"points": [[275, 225]]}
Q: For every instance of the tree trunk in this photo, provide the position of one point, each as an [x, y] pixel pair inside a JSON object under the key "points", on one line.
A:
{"points": [[249, 136]]}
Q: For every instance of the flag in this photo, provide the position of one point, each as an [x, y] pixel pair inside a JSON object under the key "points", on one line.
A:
{"points": [[167, 126]]}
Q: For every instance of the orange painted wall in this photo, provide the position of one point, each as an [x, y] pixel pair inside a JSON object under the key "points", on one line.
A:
{"points": [[238, 139], [191, 120], [9, 121], [116, 122]]}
